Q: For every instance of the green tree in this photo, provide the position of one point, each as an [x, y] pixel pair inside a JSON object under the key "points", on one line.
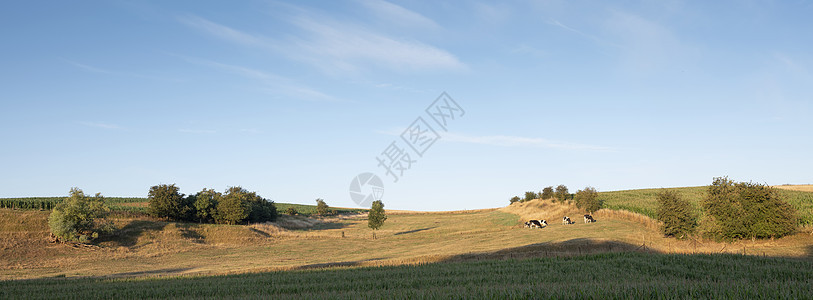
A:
{"points": [[376, 216], [291, 211], [587, 199], [529, 196], [166, 201], [677, 215], [746, 210], [232, 208], [205, 203], [547, 193], [562, 193], [515, 199], [321, 207], [80, 218]]}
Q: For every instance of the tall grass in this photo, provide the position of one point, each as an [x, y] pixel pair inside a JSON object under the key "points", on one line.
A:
{"points": [[600, 276]]}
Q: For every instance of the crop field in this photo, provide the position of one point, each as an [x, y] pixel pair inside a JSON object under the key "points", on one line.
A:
{"points": [[126, 204], [645, 201], [597, 276]]}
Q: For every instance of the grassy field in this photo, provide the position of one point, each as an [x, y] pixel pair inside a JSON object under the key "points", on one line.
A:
{"points": [[598, 276], [644, 201]]}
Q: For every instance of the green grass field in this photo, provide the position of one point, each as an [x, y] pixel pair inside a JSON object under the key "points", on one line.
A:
{"points": [[645, 201], [599, 276]]}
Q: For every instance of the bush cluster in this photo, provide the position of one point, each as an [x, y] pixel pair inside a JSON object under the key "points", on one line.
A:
{"points": [[677, 215], [587, 199], [235, 206], [746, 210], [80, 218]]}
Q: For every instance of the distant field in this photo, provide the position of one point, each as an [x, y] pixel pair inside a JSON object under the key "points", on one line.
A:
{"points": [[644, 201], [801, 187], [599, 276]]}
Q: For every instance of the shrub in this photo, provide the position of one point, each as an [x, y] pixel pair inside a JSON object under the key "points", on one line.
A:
{"points": [[587, 199], [529, 196], [291, 211], [562, 193], [746, 210], [166, 201], [79, 218], [321, 207], [677, 214], [205, 204], [547, 193], [514, 199]]}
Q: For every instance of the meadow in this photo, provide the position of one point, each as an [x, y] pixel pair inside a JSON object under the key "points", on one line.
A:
{"points": [[596, 276]]}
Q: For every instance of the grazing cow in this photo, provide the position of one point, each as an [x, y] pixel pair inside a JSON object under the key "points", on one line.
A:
{"points": [[536, 223], [589, 219], [566, 220]]}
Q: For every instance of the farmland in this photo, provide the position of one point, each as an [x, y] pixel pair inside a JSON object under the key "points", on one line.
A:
{"points": [[644, 201], [597, 276], [484, 252]]}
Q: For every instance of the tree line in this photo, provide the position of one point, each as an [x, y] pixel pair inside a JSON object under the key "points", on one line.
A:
{"points": [[586, 198], [730, 210], [235, 206]]}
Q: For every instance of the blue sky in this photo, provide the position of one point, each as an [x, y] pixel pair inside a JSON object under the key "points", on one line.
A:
{"points": [[293, 100]]}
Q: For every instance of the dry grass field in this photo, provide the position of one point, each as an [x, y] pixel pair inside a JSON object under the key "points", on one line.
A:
{"points": [[146, 247], [801, 188]]}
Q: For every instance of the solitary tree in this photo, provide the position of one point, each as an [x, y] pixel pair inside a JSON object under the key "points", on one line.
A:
{"points": [[562, 193], [677, 214], [547, 193], [515, 199], [321, 207], [79, 218], [587, 199], [376, 216], [166, 201]]}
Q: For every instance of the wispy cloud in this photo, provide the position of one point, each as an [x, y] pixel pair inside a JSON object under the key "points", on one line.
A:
{"points": [[87, 67], [645, 44], [197, 131], [579, 32], [221, 31], [394, 14], [506, 141], [98, 70], [100, 125], [269, 82], [338, 46], [518, 141]]}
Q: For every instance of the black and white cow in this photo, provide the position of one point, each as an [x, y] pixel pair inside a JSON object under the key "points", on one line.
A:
{"points": [[566, 220], [536, 224], [589, 219]]}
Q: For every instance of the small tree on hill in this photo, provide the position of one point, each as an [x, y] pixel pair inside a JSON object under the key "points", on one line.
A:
{"points": [[515, 199], [166, 201], [747, 210], [547, 193], [562, 193], [529, 196], [321, 207], [677, 214], [587, 199], [79, 218], [376, 216]]}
